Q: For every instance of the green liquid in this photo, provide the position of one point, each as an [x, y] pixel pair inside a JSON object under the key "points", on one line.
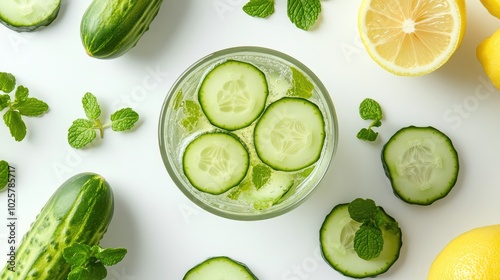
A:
{"points": [[191, 122]]}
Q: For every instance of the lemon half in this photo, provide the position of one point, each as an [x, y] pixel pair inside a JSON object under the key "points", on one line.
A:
{"points": [[473, 255], [411, 37]]}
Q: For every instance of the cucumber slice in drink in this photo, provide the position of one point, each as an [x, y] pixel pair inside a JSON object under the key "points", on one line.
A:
{"points": [[233, 94], [215, 162], [268, 194], [219, 268], [28, 15], [421, 164], [337, 245], [290, 134]]}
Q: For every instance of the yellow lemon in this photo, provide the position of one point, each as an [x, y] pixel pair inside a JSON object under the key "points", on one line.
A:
{"points": [[488, 54], [473, 255], [493, 7], [411, 37]]}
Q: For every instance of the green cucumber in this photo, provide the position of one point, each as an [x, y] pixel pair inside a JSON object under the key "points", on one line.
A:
{"points": [[218, 268], [110, 28], [233, 94], [337, 245], [215, 162], [28, 15], [421, 163], [80, 211], [290, 134]]}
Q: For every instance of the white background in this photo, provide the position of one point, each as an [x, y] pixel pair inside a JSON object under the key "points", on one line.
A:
{"points": [[164, 232]]}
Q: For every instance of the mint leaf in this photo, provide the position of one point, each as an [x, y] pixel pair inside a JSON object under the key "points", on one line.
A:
{"points": [[362, 210], [7, 82], [369, 109], [91, 106], [16, 125], [368, 241], [303, 13], [77, 254], [4, 101], [21, 94], [79, 273], [31, 107], [97, 271], [260, 175], [111, 256], [259, 8], [301, 85], [192, 114], [81, 133], [367, 134], [4, 174], [124, 119]]}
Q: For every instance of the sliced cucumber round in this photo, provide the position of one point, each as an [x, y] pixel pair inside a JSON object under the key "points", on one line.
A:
{"points": [[219, 268], [233, 94], [215, 162], [28, 15], [337, 245], [290, 134], [421, 164], [268, 194]]}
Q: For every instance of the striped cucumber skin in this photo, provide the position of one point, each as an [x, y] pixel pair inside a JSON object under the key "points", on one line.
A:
{"points": [[80, 211], [110, 28]]}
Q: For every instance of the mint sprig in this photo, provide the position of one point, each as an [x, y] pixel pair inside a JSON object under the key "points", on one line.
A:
{"points": [[369, 109], [22, 105], [83, 131], [302, 13], [368, 239], [4, 174], [89, 262]]}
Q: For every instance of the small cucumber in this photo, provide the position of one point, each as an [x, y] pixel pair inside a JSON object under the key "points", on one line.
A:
{"points": [[218, 268], [421, 163], [110, 28], [80, 211], [28, 15], [233, 94]]}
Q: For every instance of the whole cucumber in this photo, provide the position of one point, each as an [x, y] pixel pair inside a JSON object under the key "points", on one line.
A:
{"points": [[110, 28], [80, 211]]}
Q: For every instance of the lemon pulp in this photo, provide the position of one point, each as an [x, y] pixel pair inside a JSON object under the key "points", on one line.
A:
{"points": [[411, 37]]}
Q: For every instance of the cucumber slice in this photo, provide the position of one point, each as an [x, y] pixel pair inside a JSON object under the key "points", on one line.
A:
{"points": [[215, 162], [233, 94], [220, 268], [290, 134], [268, 194], [421, 164], [337, 245], [28, 15]]}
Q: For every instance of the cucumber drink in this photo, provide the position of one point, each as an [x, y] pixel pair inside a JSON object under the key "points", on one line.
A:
{"points": [[247, 133]]}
